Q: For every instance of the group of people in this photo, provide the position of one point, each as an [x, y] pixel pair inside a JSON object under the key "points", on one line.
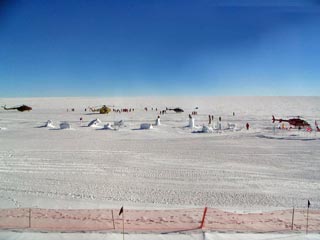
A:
{"points": [[152, 109], [123, 110], [162, 112]]}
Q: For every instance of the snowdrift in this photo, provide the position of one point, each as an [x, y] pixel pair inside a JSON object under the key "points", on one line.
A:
{"points": [[94, 123], [108, 127], [49, 124]]}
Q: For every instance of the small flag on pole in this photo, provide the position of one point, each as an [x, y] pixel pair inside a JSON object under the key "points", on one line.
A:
{"points": [[308, 216], [121, 211]]}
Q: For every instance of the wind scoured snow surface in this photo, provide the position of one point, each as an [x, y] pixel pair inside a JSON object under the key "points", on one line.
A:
{"points": [[171, 166]]}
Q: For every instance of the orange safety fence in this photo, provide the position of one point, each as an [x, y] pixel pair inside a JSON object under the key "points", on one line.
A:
{"points": [[175, 220], [275, 221]]}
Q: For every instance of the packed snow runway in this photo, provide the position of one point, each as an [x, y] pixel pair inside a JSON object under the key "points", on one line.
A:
{"points": [[169, 166]]}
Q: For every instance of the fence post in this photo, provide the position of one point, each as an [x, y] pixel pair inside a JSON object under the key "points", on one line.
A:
{"points": [[29, 217], [203, 217], [114, 227], [292, 218], [307, 220]]}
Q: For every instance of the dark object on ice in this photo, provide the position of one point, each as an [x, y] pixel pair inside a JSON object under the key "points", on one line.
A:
{"points": [[315, 123], [297, 122], [20, 109], [247, 126], [177, 110]]}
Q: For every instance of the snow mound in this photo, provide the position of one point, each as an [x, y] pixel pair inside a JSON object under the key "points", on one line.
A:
{"points": [[207, 129], [231, 126], [94, 123], [118, 123], [215, 129], [49, 124], [65, 125], [203, 129], [2, 128], [146, 126], [108, 127], [217, 126]]}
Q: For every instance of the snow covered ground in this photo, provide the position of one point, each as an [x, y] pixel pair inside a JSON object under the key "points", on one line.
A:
{"points": [[189, 236], [169, 166]]}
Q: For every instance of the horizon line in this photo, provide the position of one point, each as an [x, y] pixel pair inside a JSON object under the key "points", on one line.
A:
{"points": [[161, 96]]}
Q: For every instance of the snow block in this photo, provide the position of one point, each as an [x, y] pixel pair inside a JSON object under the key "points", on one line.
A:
{"points": [[65, 125], [146, 126]]}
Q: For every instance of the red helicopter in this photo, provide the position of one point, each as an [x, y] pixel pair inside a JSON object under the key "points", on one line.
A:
{"points": [[297, 122]]}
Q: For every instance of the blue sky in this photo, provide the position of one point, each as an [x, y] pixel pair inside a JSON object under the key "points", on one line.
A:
{"points": [[169, 47]]}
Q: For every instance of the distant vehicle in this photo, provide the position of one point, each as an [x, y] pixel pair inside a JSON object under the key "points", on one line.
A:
{"points": [[102, 110], [296, 122], [22, 108], [177, 110]]}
